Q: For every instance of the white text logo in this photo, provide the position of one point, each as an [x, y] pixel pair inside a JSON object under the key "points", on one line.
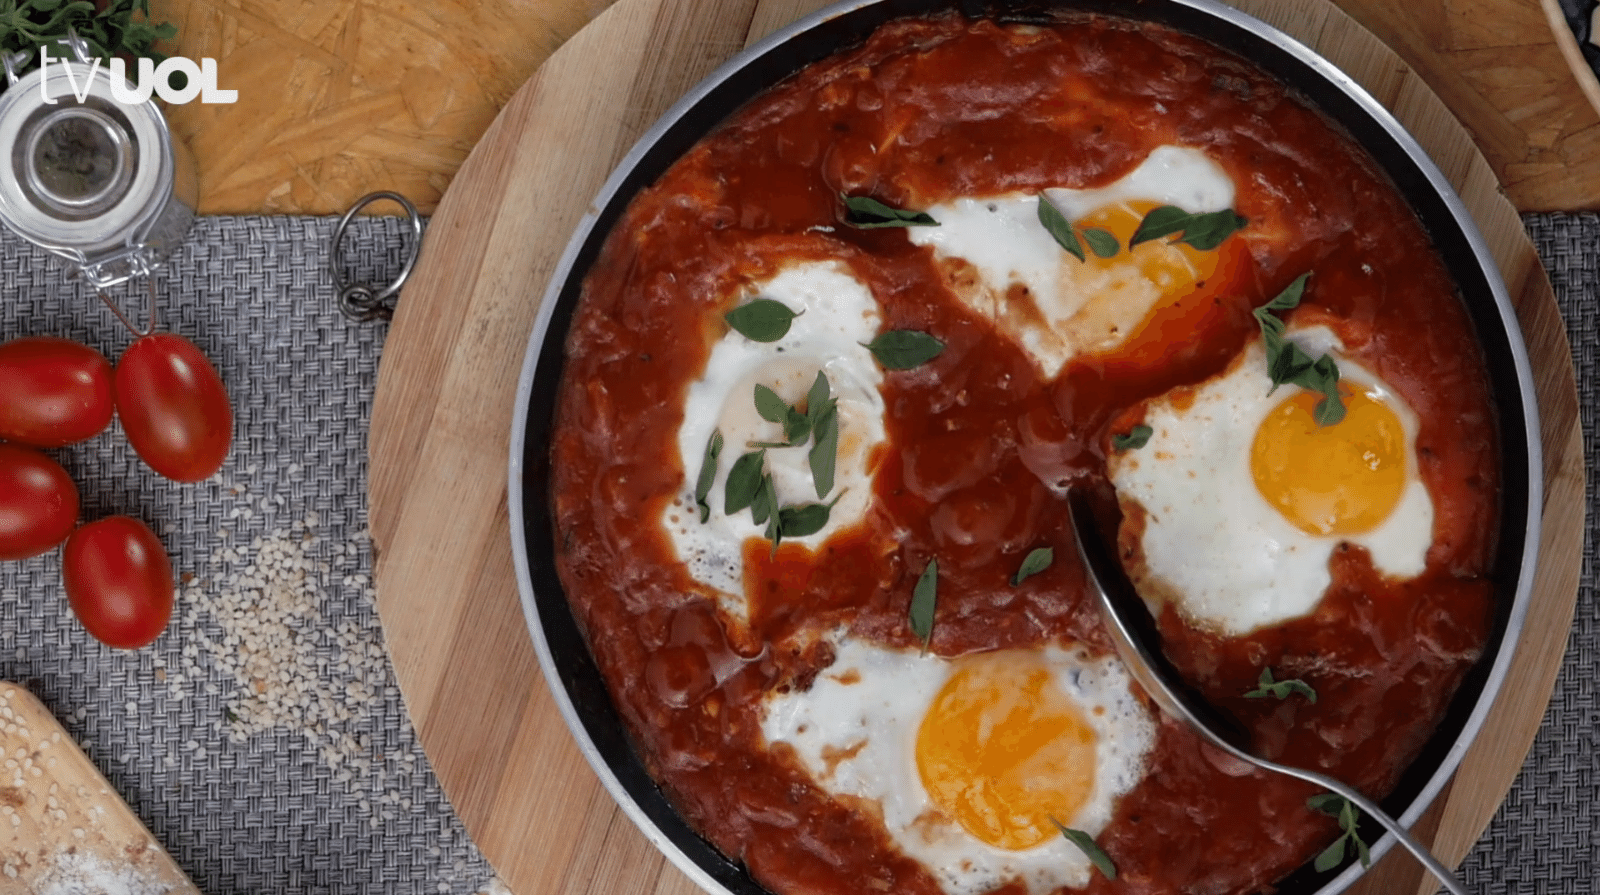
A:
{"points": [[199, 81]]}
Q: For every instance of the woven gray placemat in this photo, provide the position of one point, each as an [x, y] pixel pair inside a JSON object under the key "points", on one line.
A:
{"points": [[349, 805], [246, 798], [1546, 837]]}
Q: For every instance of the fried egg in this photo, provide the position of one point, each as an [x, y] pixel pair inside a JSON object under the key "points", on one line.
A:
{"points": [[1244, 497], [837, 316], [1004, 265], [969, 762]]}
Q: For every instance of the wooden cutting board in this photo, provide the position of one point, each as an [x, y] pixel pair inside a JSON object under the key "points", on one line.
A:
{"points": [[63, 829], [441, 425]]}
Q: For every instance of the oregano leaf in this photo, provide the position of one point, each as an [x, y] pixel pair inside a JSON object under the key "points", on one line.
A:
{"points": [[1137, 437], [1057, 225], [924, 599], [866, 213], [744, 480], [1102, 242], [761, 319], [708, 474], [905, 349], [1035, 562]]}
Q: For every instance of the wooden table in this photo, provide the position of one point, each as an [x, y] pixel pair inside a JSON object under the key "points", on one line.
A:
{"points": [[338, 99]]}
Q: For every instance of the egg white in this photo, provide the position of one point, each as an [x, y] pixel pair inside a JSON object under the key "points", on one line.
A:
{"points": [[1083, 309], [837, 315], [1211, 540], [855, 731]]}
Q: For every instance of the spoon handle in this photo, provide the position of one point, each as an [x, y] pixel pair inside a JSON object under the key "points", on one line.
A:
{"points": [[1371, 810]]}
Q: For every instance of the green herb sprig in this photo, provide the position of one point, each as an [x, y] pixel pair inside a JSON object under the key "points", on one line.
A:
{"points": [[750, 486], [27, 25], [1266, 686], [1338, 806], [1288, 364], [867, 213], [1091, 849]]}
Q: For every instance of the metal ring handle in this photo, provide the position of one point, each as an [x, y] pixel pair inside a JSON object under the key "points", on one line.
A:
{"points": [[362, 303]]}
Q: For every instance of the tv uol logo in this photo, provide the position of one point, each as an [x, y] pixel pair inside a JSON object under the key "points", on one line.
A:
{"points": [[200, 80]]}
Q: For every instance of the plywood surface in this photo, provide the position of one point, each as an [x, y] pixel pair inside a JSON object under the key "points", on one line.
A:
{"points": [[339, 99], [442, 417], [63, 829]]}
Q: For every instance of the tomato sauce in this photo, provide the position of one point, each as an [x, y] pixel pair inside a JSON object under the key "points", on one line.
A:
{"points": [[980, 445]]}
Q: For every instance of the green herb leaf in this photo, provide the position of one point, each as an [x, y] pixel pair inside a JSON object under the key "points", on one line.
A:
{"points": [[1280, 689], [1288, 364], [1204, 231], [744, 480], [764, 505], [1102, 242], [1287, 300], [804, 519], [1137, 437], [1059, 227], [796, 425], [825, 449], [1090, 849], [1207, 231], [1035, 562], [1331, 856], [772, 408], [761, 320], [708, 474], [904, 349], [818, 398], [1329, 803], [1162, 221], [867, 213], [924, 597]]}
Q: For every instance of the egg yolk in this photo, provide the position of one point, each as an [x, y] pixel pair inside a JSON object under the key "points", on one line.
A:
{"points": [[1342, 479], [1003, 750], [1174, 268]]}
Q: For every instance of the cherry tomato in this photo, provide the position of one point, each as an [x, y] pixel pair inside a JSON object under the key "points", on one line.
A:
{"points": [[173, 407], [119, 581], [53, 391], [38, 502]]}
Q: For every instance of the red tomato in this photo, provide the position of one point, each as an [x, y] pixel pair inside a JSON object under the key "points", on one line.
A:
{"points": [[119, 581], [173, 407], [53, 391], [38, 502]]}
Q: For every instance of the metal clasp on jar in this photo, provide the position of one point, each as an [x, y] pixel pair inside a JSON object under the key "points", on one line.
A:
{"points": [[99, 183]]}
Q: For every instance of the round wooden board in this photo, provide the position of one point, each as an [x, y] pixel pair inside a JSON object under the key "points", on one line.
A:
{"points": [[441, 426]]}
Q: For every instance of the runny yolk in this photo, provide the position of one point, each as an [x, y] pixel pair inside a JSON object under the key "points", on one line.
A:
{"points": [[1173, 267], [1003, 750], [1342, 479]]}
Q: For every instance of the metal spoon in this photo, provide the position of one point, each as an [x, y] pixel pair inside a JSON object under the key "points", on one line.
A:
{"points": [[1134, 634]]}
